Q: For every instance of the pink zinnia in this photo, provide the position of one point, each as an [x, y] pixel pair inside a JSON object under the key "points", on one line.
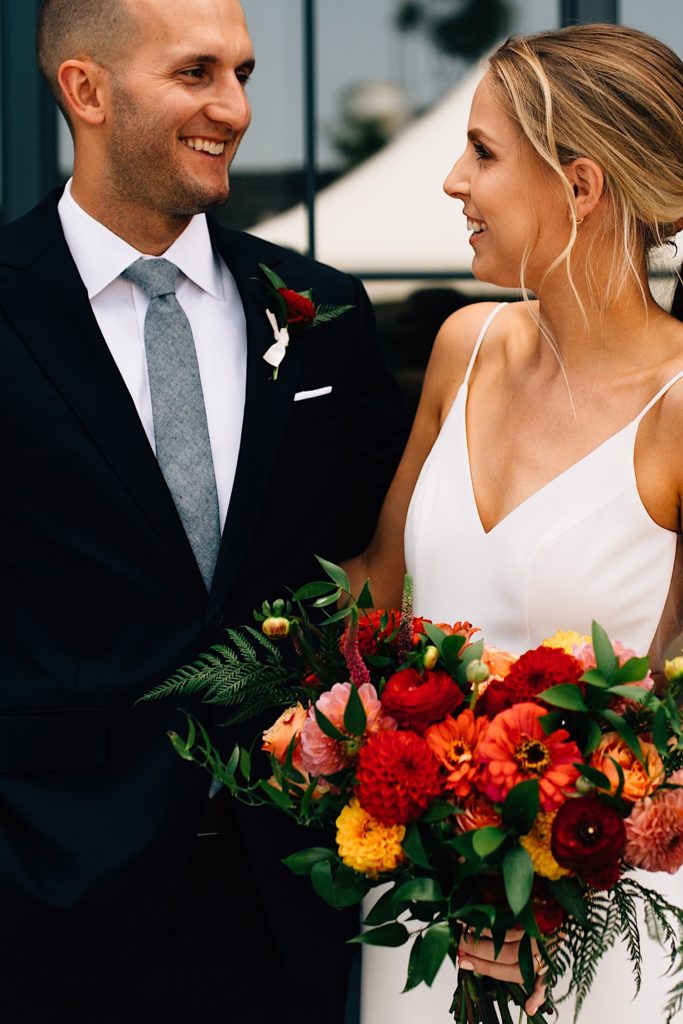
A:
{"points": [[654, 830], [320, 754]]}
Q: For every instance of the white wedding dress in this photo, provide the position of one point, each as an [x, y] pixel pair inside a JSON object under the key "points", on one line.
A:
{"points": [[583, 547]]}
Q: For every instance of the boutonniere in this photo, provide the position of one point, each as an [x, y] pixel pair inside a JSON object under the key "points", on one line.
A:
{"points": [[291, 310]]}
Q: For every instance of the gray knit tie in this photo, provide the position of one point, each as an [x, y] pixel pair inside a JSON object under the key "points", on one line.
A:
{"points": [[181, 434]]}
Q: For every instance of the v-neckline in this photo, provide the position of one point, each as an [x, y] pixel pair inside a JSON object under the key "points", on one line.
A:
{"points": [[464, 388]]}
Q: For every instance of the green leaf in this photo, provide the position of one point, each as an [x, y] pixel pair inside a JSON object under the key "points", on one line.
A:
{"points": [[414, 977], [518, 876], [349, 886], [635, 693], [435, 944], [593, 775], [592, 734], [355, 719], [325, 313], [321, 880], [566, 695], [486, 841], [627, 734], [552, 721], [301, 862], [595, 678], [325, 602], [436, 635], [310, 590], [326, 726], [473, 652], [480, 915], [272, 277], [569, 895], [415, 890], [660, 730], [394, 934], [365, 600], [439, 810], [233, 761], [632, 671], [521, 806], [383, 909], [337, 616], [526, 963], [245, 763], [414, 847], [280, 799], [604, 652], [336, 573]]}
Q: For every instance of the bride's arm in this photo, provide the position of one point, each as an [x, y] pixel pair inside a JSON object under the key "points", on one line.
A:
{"points": [[383, 561]]}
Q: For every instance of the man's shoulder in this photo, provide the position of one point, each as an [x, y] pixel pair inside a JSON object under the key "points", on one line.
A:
{"points": [[25, 239], [298, 271]]}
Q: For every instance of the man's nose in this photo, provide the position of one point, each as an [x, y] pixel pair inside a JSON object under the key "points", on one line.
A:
{"points": [[230, 105]]}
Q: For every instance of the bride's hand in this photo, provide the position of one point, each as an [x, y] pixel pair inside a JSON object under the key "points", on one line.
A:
{"points": [[478, 955]]}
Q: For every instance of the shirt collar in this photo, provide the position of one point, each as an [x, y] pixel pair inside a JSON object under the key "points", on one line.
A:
{"points": [[101, 256]]}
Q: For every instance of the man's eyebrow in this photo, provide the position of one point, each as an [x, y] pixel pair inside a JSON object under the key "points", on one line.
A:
{"points": [[210, 58]]}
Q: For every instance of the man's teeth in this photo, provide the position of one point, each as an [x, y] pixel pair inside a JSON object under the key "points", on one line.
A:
{"points": [[476, 226], [205, 146]]}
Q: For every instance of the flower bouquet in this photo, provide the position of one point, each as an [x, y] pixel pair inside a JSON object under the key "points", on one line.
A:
{"points": [[491, 790]]}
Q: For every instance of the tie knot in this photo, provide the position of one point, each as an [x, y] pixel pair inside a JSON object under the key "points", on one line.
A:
{"points": [[154, 277]]}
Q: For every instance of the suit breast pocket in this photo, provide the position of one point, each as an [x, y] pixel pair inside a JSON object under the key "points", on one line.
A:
{"points": [[315, 406]]}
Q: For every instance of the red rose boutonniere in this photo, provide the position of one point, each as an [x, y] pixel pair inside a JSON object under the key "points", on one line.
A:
{"points": [[291, 309]]}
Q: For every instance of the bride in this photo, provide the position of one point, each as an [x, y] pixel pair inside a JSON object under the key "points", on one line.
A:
{"points": [[541, 487]]}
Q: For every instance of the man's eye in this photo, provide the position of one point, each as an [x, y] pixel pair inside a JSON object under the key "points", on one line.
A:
{"points": [[243, 77], [195, 73]]}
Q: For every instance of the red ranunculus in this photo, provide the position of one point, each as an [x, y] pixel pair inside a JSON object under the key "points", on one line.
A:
{"points": [[605, 878], [370, 633], [417, 701], [398, 776], [588, 835], [498, 696], [300, 310]]}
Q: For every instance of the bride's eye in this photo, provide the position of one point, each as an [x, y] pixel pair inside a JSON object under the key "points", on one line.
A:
{"points": [[482, 152]]}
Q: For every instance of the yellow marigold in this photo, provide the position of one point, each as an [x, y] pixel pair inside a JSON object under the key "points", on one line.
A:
{"points": [[365, 844], [537, 845], [567, 640]]}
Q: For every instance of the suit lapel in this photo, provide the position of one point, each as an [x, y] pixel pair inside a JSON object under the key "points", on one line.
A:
{"points": [[49, 307], [267, 407]]}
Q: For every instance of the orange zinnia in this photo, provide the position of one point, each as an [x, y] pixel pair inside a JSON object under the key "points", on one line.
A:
{"points": [[639, 780], [516, 748], [455, 742]]}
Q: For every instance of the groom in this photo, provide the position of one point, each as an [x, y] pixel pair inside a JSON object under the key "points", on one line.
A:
{"points": [[157, 483]]}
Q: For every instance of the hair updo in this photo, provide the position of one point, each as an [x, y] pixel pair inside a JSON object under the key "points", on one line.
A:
{"points": [[613, 94]]}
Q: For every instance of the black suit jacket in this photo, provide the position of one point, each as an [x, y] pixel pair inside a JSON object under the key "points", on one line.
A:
{"points": [[101, 597]]}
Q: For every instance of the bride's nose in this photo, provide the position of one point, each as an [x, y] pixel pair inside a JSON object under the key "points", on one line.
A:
{"points": [[456, 184]]}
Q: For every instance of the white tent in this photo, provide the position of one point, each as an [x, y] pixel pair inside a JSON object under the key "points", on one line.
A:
{"points": [[390, 213]]}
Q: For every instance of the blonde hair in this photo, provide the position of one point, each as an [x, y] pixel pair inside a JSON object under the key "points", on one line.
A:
{"points": [[615, 95]]}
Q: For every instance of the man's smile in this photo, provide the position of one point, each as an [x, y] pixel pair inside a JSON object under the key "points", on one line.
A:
{"points": [[204, 145]]}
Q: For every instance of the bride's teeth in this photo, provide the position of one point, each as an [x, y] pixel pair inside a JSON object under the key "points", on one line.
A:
{"points": [[476, 226], [205, 146]]}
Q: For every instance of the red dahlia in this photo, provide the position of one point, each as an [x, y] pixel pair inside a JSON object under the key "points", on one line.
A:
{"points": [[416, 701], [547, 911], [605, 878], [498, 696], [398, 777], [588, 836], [300, 310], [371, 633], [540, 669]]}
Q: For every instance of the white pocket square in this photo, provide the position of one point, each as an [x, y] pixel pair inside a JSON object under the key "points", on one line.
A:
{"points": [[301, 396]]}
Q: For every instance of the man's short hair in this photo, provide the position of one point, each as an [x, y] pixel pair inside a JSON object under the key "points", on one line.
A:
{"points": [[99, 29]]}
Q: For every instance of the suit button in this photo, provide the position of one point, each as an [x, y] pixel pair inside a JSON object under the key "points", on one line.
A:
{"points": [[218, 620]]}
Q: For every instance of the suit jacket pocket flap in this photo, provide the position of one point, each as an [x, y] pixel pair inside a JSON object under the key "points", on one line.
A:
{"points": [[51, 740]]}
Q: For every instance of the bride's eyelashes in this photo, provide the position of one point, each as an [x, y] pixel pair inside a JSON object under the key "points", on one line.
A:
{"points": [[481, 151]]}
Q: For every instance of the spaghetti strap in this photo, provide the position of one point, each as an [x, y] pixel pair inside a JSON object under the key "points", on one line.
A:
{"points": [[482, 334], [662, 391]]}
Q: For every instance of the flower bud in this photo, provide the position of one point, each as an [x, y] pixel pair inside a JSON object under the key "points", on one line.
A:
{"points": [[673, 670], [477, 672], [584, 786], [275, 627], [430, 657]]}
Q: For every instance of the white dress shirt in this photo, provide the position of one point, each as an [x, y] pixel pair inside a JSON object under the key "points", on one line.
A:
{"points": [[208, 294]]}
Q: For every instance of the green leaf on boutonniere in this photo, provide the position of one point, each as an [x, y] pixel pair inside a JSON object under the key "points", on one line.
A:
{"points": [[324, 313], [272, 277]]}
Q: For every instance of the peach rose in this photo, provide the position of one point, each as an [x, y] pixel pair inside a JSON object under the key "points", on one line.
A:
{"points": [[276, 740], [639, 780], [498, 661]]}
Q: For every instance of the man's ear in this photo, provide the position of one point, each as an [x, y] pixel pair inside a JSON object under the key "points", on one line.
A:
{"points": [[82, 84], [588, 182]]}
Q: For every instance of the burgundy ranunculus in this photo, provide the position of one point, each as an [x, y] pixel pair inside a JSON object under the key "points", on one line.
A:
{"points": [[588, 835], [300, 310], [417, 701]]}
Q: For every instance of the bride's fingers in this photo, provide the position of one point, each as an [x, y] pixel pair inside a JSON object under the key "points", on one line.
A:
{"points": [[491, 968], [537, 997], [485, 949]]}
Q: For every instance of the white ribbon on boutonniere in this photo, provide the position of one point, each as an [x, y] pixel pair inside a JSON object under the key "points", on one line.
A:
{"points": [[292, 309], [277, 352]]}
